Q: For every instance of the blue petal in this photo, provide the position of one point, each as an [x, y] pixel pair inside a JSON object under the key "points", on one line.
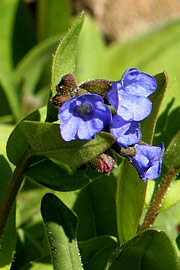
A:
{"points": [[112, 95], [138, 83], [86, 130], [148, 161], [133, 108], [70, 129], [126, 133]]}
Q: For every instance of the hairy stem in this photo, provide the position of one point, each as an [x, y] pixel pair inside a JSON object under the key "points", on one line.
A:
{"points": [[12, 189], [156, 202]]}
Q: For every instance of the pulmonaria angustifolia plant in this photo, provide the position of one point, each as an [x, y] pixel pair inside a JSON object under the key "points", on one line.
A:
{"points": [[85, 115]]}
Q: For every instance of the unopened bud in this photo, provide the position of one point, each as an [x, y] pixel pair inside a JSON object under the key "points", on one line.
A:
{"points": [[59, 100], [104, 163], [99, 87]]}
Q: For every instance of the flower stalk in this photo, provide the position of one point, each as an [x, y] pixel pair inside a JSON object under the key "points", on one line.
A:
{"points": [[158, 197], [13, 189]]}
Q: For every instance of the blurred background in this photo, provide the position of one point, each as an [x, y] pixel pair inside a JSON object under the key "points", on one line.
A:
{"points": [[118, 19]]}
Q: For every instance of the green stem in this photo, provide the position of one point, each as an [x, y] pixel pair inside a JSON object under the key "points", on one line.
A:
{"points": [[156, 202], [12, 189]]}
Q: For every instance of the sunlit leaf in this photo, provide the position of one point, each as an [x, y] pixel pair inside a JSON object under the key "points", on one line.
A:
{"points": [[64, 58], [64, 61]]}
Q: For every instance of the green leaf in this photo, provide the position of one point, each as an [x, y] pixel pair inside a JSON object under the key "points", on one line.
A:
{"points": [[53, 17], [172, 158], [44, 140], [96, 252], [168, 221], [149, 124], [90, 54], [8, 241], [149, 250], [172, 196], [36, 58], [52, 176], [5, 131], [17, 143], [96, 208], [60, 224], [64, 62], [64, 58], [129, 201]]}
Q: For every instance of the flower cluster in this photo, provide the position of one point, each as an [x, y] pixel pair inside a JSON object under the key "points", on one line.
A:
{"points": [[86, 115]]}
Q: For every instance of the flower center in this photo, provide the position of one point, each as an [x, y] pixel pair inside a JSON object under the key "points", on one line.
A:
{"points": [[84, 110]]}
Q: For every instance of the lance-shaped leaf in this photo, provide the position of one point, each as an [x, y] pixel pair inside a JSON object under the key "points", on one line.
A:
{"points": [[149, 250], [44, 140], [60, 224], [64, 58], [64, 61], [129, 201]]}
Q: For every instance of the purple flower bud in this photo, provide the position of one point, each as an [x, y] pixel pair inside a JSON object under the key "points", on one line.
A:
{"points": [[148, 161], [104, 163], [126, 133], [83, 117], [129, 95]]}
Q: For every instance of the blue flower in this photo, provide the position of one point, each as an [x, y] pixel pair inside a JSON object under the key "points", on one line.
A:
{"points": [[129, 95], [83, 117], [126, 133], [148, 161]]}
